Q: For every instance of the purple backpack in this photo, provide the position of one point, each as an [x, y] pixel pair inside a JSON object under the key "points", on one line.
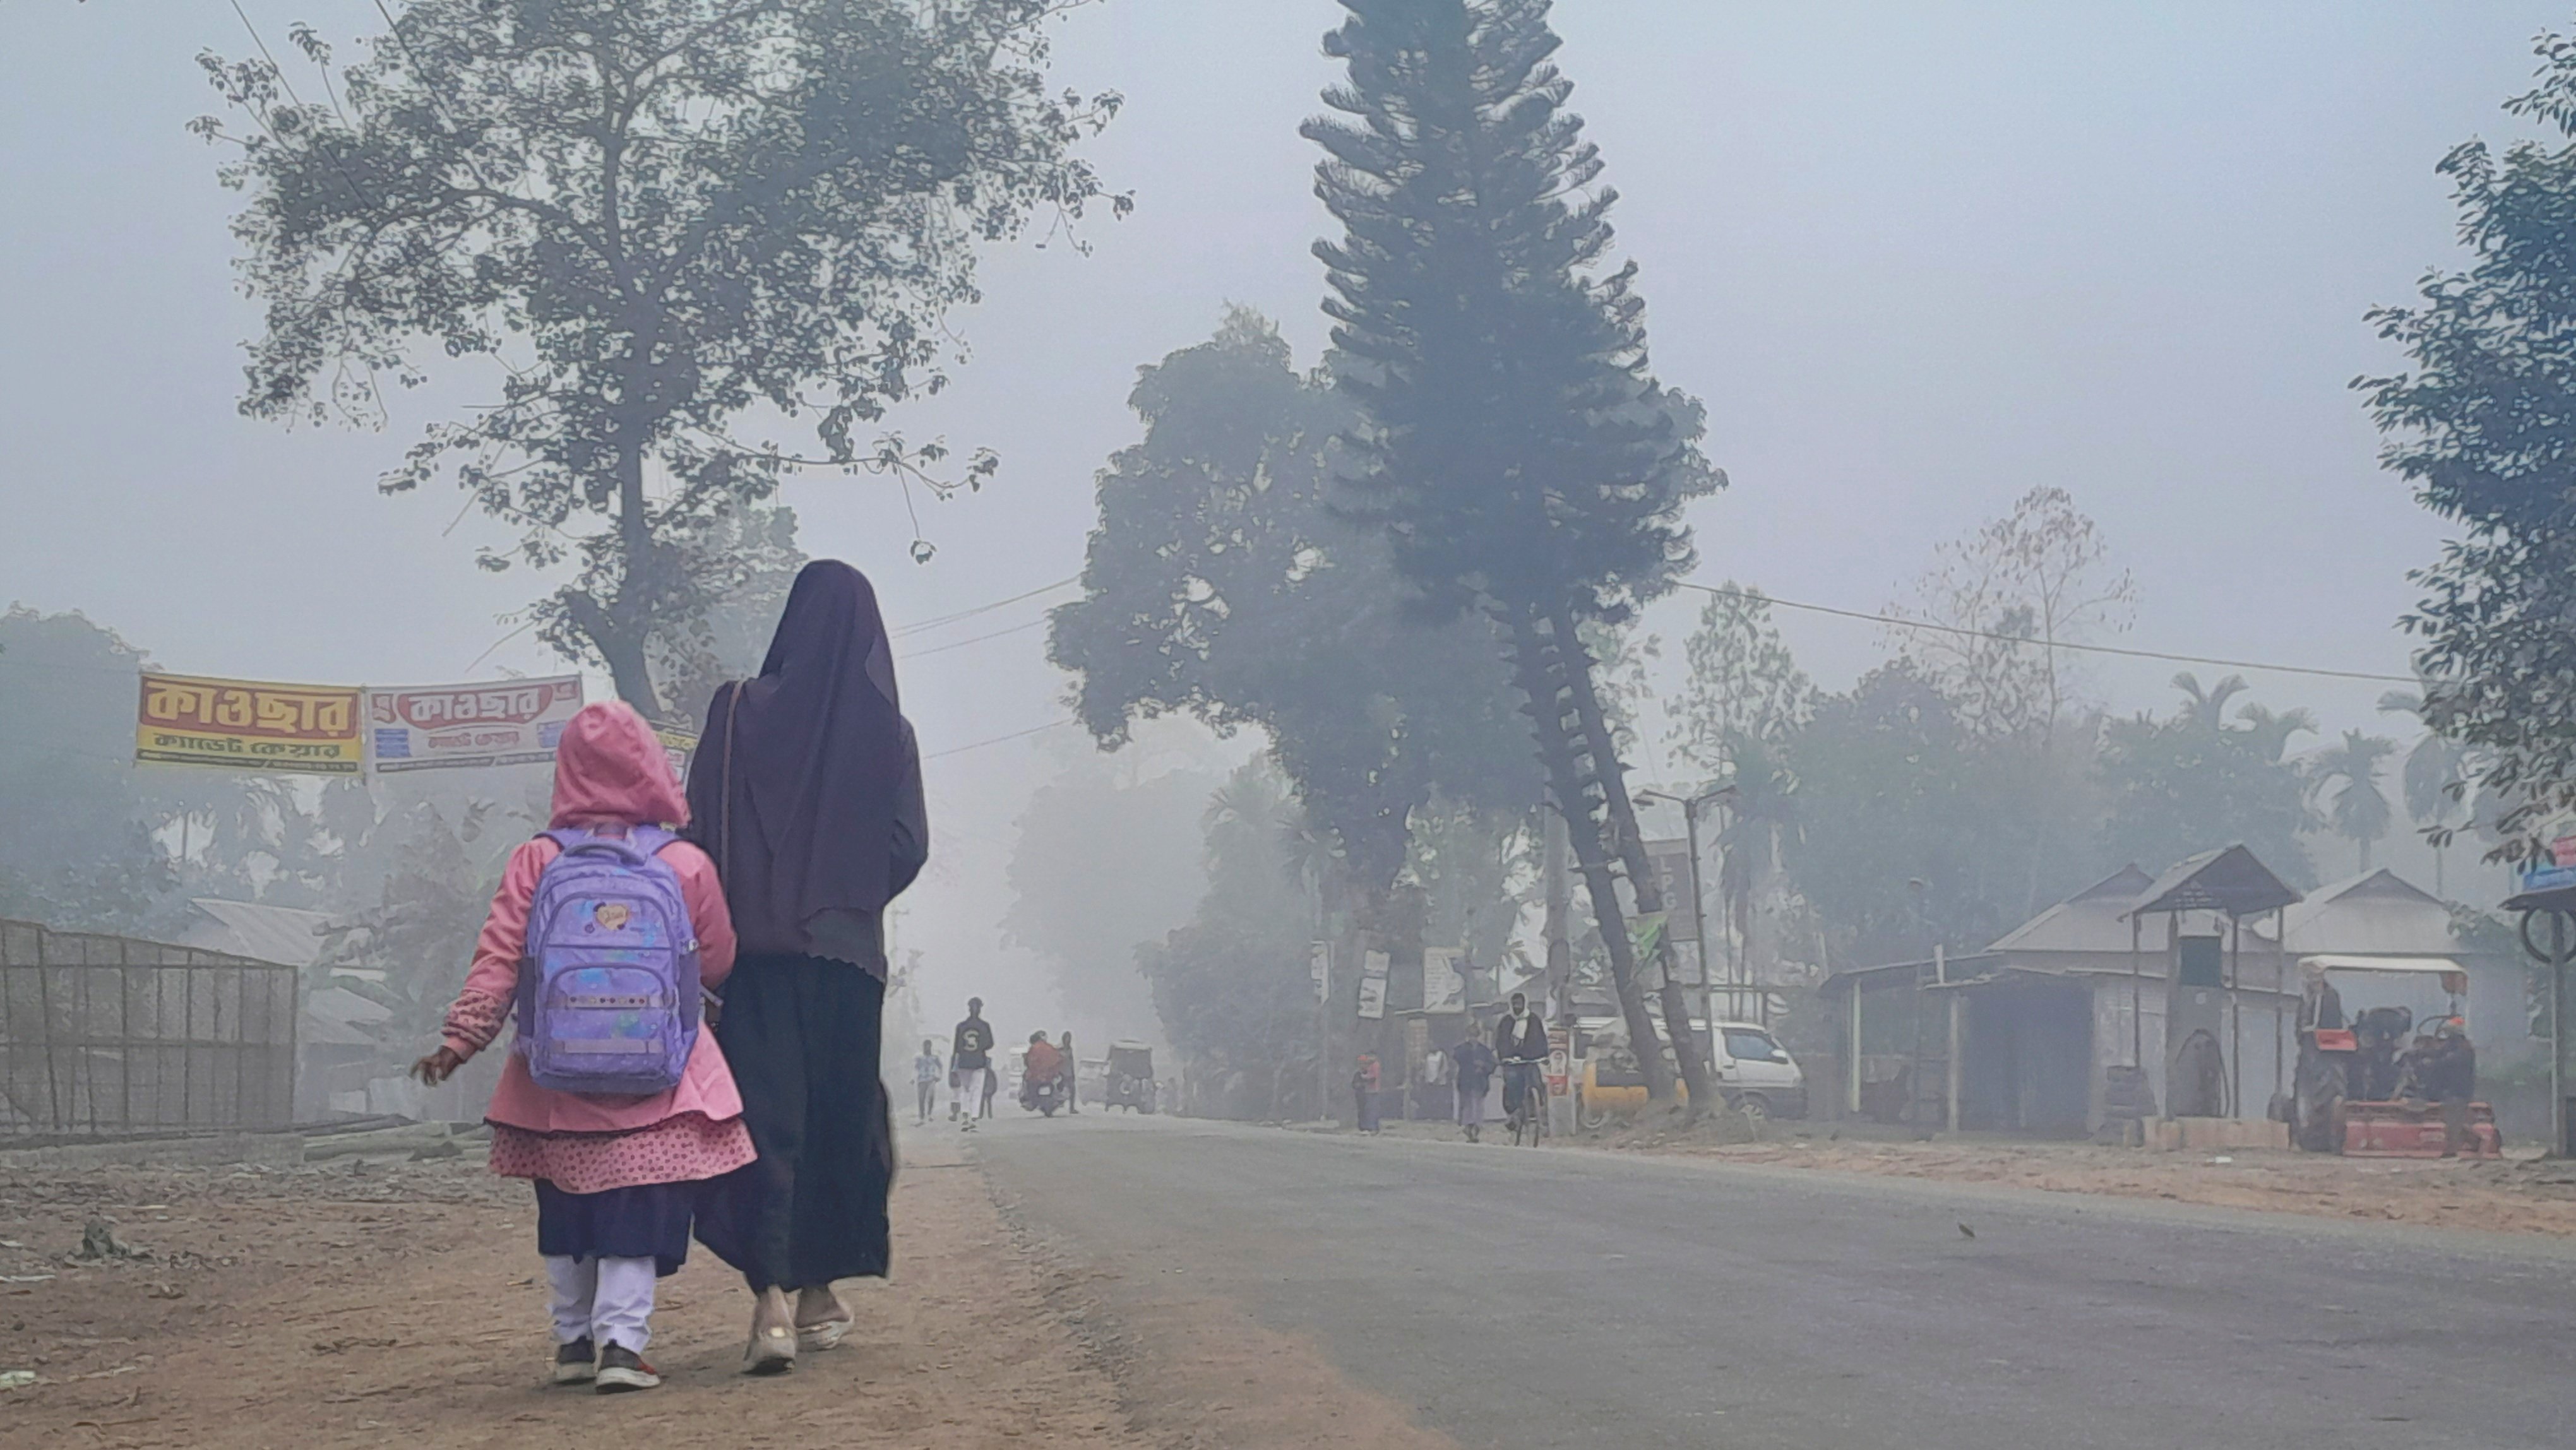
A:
{"points": [[608, 989]]}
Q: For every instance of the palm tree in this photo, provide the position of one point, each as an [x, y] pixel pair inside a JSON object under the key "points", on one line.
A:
{"points": [[2268, 735], [2434, 777], [2209, 706], [2348, 776]]}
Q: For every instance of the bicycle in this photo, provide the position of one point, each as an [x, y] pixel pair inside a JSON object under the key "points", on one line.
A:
{"points": [[1525, 1102]]}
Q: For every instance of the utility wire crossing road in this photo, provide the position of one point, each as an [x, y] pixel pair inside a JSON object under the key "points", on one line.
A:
{"points": [[1545, 1298]]}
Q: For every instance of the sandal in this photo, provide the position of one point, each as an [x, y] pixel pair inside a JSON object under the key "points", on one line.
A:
{"points": [[826, 1335], [772, 1351]]}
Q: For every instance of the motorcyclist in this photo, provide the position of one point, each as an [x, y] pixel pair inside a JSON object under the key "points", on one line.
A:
{"points": [[1520, 1040], [1044, 1064]]}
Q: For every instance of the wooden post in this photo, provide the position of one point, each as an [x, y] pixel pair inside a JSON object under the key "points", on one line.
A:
{"points": [[2558, 1123], [2137, 1030], [1942, 967], [1557, 947], [1852, 1073], [2280, 984], [2235, 1015]]}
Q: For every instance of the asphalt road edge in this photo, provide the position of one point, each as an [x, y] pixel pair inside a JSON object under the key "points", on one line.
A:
{"points": [[1198, 1374]]}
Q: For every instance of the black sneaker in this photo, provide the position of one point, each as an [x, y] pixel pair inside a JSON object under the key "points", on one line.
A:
{"points": [[622, 1369], [576, 1363]]}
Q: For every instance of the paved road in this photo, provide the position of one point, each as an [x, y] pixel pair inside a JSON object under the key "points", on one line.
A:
{"points": [[1542, 1298]]}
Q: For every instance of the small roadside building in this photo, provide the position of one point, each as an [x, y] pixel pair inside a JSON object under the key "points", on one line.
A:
{"points": [[2098, 1008]]}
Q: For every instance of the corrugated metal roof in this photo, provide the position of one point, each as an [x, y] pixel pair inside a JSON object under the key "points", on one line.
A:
{"points": [[2230, 879], [281, 934], [338, 1017], [2377, 913], [2094, 919]]}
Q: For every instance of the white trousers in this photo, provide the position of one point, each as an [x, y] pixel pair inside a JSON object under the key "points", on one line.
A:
{"points": [[966, 1089], [606, 1301]]}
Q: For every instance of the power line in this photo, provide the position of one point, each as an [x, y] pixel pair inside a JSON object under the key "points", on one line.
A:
{"points": [[975, 639], [1000, 739], [2099, 649], [919, 625]]}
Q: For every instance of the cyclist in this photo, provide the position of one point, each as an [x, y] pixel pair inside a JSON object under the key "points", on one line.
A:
{"points": [[1520, 1040]]}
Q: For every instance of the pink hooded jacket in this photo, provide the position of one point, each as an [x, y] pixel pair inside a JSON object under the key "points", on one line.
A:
{"points": [[609, 769]]}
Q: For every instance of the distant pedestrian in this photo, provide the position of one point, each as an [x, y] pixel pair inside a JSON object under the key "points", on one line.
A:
{"points": [[1364, 1086], [926, 1073], [1472, 1064], [617, 1175], [2451, 1079], [970, 1063], [1072, 1076]]}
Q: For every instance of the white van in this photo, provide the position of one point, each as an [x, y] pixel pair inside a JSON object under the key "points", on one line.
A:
{"points": [[1757, 1073]]}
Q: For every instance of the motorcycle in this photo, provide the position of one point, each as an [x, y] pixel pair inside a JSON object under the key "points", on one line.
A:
{"points": [[1043, 1096]]}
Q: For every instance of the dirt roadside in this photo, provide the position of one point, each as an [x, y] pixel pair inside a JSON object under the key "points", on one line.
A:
{"points": [[2518, 1195], [366, 1303]]}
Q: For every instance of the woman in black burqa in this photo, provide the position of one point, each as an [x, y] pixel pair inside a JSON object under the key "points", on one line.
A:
{"points": [[806, 789]]}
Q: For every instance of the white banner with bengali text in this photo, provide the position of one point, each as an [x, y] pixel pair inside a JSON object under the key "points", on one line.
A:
{"points": [[497, 722]]}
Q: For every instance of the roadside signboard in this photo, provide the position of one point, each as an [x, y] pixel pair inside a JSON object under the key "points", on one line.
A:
{"points": [[1672, 866], [1444, 986], [680, 747], [440, 727], [1560, 1062], [249, 725], [2558, 869], [1319, 965], [1372, 997]]}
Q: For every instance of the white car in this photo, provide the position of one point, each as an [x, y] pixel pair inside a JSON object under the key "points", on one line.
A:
{"points": [[1757, 1073]]}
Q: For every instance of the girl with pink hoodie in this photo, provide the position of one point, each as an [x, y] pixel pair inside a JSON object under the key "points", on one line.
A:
{"points": [[617, 1177]]}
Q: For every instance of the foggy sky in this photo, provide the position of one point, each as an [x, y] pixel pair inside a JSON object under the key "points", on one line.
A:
{"points": [[1915, 259]]}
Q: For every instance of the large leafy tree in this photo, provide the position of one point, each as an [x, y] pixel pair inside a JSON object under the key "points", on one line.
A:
{"points": [[1914, 829], [1221, 584], [1743, 700], [1085, 909], [2201, 778], [1516, 447], [1232, 985], [1743, 683], [78, 850], [2479, 426], [2003, 600], [645, 220]]}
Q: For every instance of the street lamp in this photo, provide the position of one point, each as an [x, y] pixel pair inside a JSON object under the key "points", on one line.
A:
{"points": [[1699, 898]]}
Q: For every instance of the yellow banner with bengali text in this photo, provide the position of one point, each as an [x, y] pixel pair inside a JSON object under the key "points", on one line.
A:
{"points": [[678, 746], [249, 725]]}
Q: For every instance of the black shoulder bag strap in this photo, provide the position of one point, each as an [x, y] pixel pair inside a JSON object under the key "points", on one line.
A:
{"points": [[724, 827]]}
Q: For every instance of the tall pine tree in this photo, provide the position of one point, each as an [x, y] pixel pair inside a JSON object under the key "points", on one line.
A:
{"points": [[1519, 452]]}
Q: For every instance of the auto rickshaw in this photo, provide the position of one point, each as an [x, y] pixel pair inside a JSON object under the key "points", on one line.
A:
{"points": [[1131, 1077]]}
